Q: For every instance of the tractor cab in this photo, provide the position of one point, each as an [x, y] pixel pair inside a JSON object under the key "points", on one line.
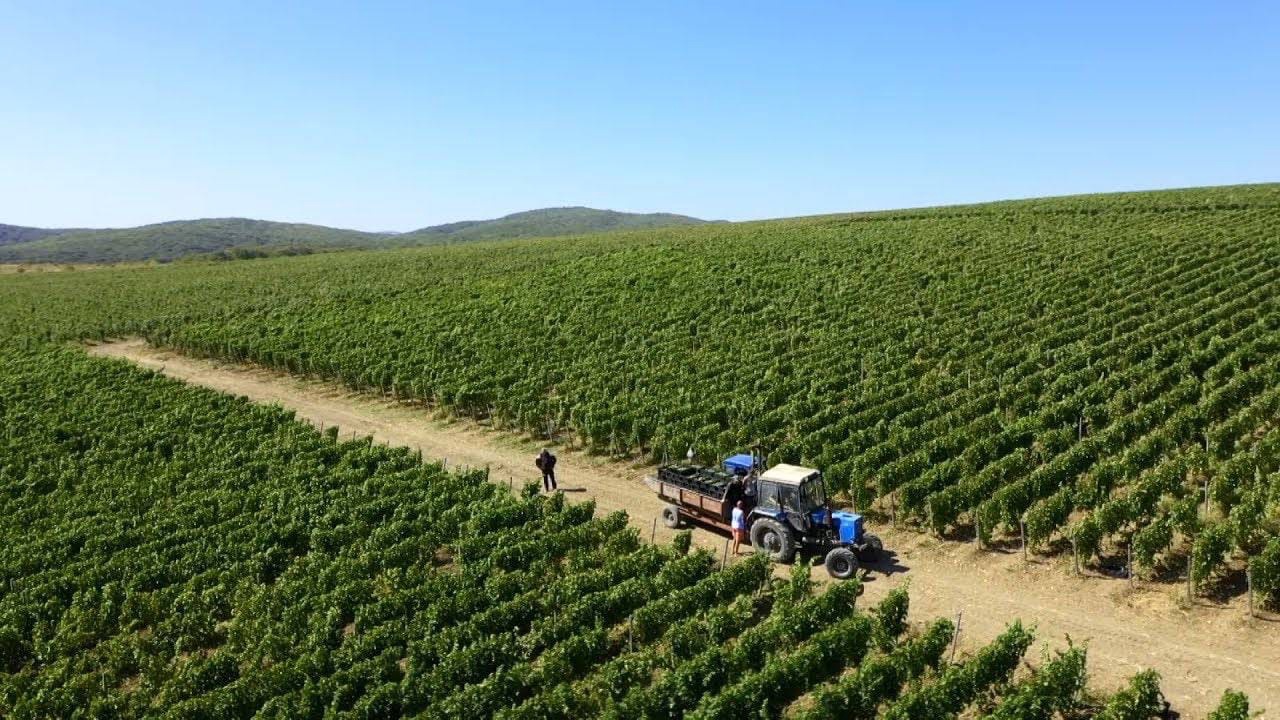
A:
{"points": [[793, 494]]}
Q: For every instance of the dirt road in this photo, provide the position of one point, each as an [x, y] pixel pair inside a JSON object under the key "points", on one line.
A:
{"points": [[1200, 649]]}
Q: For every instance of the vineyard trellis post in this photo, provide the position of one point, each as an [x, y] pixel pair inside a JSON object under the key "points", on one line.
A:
{"points": [[893, 507], [724, 559], [1075, 556], [977, 530], [1128, 566], [654, 532], [1205, 513], [955, 639], [1022, 532], [1248, 587], [1190, 578]]}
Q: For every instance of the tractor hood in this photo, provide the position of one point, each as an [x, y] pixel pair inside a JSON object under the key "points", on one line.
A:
{"points": [[848, 526]]}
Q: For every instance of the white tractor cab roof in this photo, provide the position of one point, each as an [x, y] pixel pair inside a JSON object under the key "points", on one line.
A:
{"points": [[785, 474]]}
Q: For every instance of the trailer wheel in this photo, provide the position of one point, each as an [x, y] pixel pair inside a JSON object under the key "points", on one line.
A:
{"points": [[841, 563], [671, 516], [770, 536]]}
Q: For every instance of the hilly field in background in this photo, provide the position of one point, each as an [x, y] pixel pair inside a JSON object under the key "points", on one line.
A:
{"points": [[224, 238], [12, 234]]}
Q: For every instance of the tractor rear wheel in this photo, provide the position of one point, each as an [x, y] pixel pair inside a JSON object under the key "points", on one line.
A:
{"points": [[772, 537], [871, 553], [671, 516], [841, 563]]}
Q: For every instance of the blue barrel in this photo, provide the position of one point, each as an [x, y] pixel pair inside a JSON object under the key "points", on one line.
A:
{"points": [[739, 464]]}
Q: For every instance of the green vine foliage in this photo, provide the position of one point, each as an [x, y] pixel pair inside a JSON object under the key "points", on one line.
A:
{"points": [[1080, 366], [1139, 700], [1234, 706]]}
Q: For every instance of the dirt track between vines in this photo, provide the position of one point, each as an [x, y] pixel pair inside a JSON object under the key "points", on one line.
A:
{"points": [[1200, 649]]}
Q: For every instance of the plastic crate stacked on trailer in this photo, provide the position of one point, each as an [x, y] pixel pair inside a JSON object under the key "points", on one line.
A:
{"points": [[702, 480]]}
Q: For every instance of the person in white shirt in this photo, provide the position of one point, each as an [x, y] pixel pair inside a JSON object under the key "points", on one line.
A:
{"points": [[739, 525]]}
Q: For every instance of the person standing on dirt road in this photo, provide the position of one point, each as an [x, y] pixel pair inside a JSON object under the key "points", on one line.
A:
{"points": [[546, 462], [739, 525]]}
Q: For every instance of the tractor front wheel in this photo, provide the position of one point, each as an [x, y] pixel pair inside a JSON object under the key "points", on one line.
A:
{"points": [[841, 563], [770, 536]]}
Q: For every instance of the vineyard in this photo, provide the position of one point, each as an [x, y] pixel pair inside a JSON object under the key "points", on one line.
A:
{"points": [[189, 554], [1098, 373]]}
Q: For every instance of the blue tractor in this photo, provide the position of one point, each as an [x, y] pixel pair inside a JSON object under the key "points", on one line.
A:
{"points": [[787, 509]]}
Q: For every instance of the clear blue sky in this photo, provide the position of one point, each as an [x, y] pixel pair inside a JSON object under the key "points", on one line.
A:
{"points": [[399, 116]]}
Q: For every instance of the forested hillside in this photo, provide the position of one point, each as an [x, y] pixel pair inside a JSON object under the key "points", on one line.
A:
{"points": [[234, 238], [12, 234]]}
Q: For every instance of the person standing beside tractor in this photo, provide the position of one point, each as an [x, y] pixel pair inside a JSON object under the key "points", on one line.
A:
{"points": [[739, 525], [546, 462]]}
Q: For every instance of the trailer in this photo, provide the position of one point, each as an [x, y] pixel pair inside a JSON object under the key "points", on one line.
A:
{"points": [[703, 494]]}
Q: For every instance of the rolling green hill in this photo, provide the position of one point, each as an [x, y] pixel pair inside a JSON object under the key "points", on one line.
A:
{"points": [[544, 223], [239, 237], [173, 240], [14, 234]]}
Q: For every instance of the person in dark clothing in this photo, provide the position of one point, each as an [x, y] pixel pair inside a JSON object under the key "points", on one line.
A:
{"points": [[546, 462]]}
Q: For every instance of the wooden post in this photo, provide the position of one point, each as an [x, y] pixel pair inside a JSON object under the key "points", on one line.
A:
{"points": [[486, 472], [977, 530], [1190, 581], [893, 507], [724, 559], [1022, 532], [1248, 584], [1128, 568], [955, 639], [654, 532], [1205, 513], [631, 633], [1075, 556]]}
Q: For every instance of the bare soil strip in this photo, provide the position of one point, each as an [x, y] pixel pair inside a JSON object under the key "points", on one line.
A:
{"points": [[1199, 649]]}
